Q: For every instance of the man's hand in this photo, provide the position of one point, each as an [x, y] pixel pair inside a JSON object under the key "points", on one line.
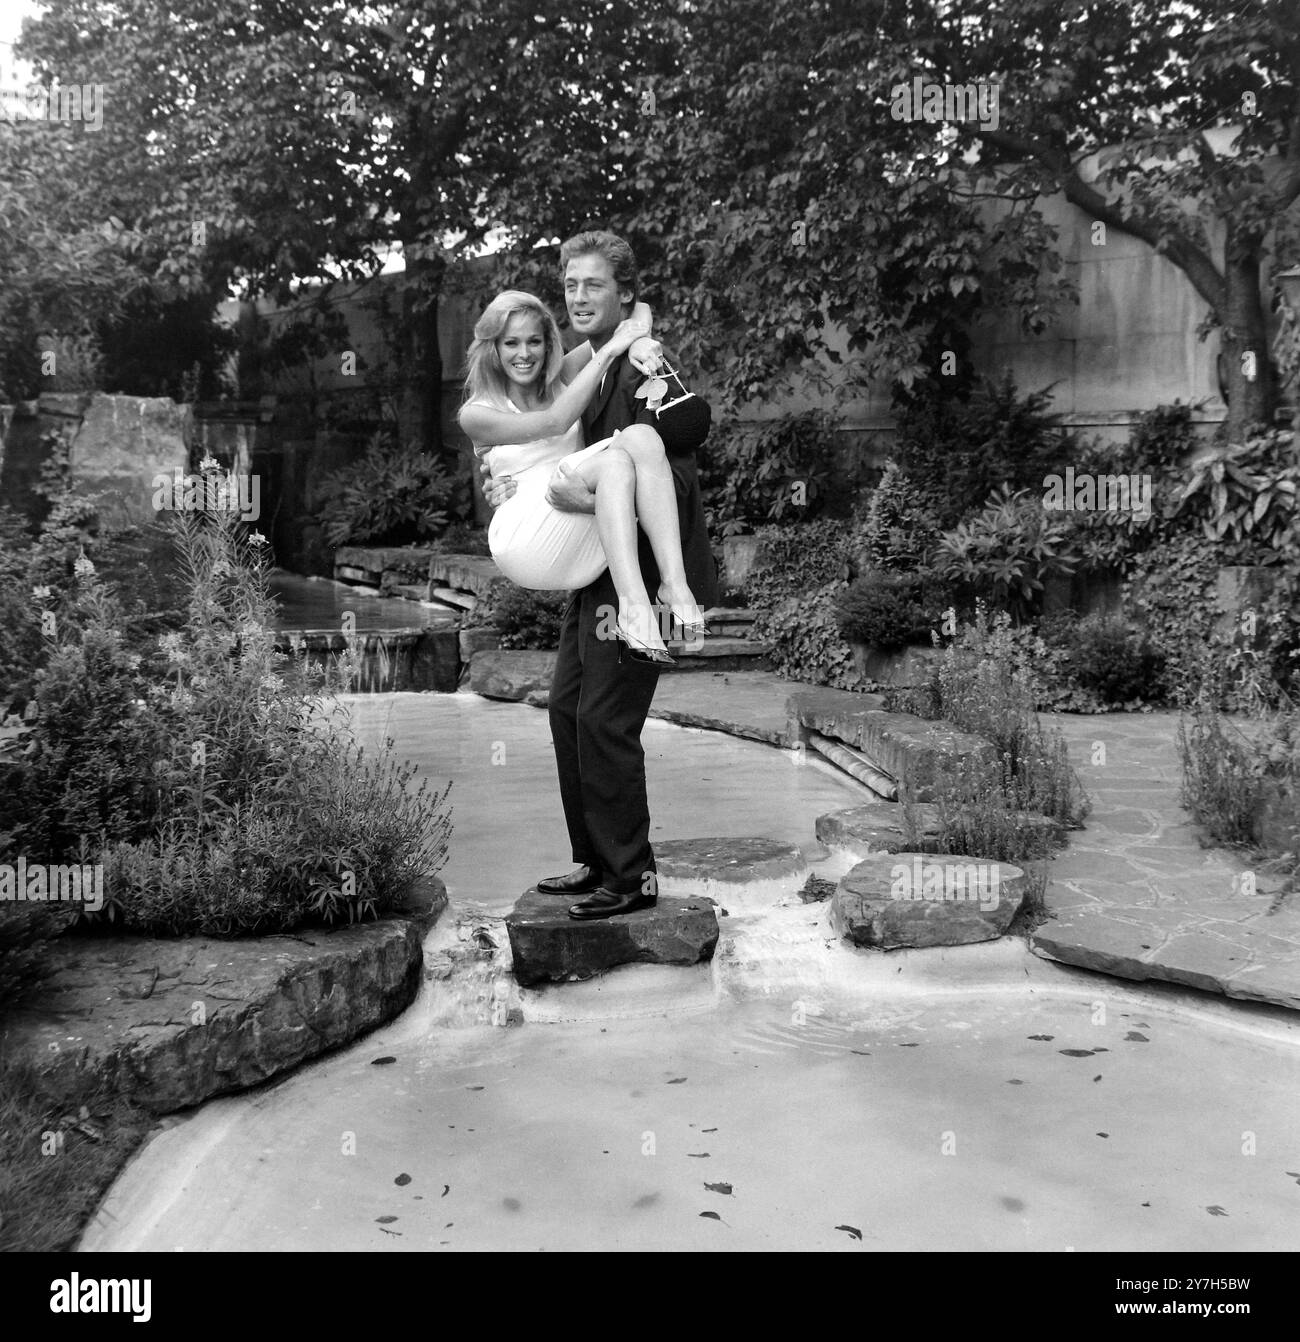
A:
{"points": [[568, 492], [497, 491]]}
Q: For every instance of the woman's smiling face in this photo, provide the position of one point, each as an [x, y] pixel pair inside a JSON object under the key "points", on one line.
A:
{"points": [[522, 348]]}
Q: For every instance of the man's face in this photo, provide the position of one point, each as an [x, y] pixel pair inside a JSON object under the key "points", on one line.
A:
{"points": [[594, 300]]}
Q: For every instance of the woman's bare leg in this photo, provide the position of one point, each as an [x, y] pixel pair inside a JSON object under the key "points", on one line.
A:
{"points": [[613, 477], [656, 511]]}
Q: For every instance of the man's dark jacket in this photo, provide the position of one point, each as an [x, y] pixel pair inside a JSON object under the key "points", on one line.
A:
{"points": [[683, 428]]}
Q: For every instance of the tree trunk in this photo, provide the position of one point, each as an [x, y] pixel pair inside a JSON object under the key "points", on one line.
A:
{"points": [[1249, 372]]}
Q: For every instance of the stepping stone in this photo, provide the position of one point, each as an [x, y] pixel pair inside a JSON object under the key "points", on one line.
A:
{"points": [[550, 947], [738, 874], [900, 899], [878, 828]]}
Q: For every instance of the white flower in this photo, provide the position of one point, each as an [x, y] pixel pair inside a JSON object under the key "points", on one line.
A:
{"points": [[82, 566], [172, 646], [133, 661], [256, 538], [41, 593], [209, 463]]}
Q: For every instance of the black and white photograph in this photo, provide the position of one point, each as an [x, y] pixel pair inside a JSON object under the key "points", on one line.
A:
{"points": [[635, 629]]}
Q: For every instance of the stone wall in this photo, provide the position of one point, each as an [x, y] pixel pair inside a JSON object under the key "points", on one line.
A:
{"points": [[117, 446]]}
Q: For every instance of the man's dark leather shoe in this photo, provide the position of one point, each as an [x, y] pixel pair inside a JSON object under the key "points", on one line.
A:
{"points": [[609, 903], [580, 882]]}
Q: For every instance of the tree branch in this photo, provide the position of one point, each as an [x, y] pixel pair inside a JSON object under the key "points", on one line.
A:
{"points": [[1204, 275]]}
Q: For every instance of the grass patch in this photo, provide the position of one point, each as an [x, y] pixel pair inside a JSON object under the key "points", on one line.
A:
{"points": [[61, 1146]]}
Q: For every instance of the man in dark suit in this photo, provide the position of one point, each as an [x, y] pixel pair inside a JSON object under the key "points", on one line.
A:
{"points": [[600, 694]]}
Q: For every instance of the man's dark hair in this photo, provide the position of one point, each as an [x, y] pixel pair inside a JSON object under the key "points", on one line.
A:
{"points": [[617, 251]]}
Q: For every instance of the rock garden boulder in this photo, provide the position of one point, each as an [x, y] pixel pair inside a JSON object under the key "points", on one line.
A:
{"points": [[893, 900]]}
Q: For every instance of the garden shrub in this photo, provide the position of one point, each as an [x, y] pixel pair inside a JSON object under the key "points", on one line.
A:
{"points": [[218, 800], [889, 610], [1119, 664], [1225, 780], [964, 449], [1232, 776], [976, 686], [463, 538], [524, 617], [794, 591], [1005, 553], [899, 529], [763, 471], [394, 495]]}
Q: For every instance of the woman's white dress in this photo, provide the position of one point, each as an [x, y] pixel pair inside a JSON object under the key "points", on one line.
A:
{"points": [[532, 543]]}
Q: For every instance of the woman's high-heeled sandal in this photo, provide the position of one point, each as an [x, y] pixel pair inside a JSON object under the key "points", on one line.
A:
{"points": [[642, 652]]}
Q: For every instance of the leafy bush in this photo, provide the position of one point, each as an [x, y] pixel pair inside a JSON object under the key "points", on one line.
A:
{"points": [[889, 610], [977, 816], [899, 529], [758, 472], [462, 538], [1005, 553], [1116, 662], [76, 363], [975, 685], [964, 449], [1245, 495], [217, 800], [524, 617], [1225, 777], [794, 590], [393, 495]]}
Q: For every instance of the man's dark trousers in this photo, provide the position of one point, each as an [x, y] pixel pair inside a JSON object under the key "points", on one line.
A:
{"points": [[599, 696]]}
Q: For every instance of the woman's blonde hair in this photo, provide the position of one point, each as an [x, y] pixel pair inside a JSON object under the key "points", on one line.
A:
{"points": [[483, 372]]}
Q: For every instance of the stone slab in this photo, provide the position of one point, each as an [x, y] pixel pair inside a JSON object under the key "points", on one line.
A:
{"points": [[173, 1022], [893, 900], [748, 704], [550, 947], [467, 573], [732, 860], [900, 745], [877, 827]]}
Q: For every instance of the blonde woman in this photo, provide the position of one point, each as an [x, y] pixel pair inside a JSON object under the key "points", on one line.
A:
{"points": [[524, 399]]}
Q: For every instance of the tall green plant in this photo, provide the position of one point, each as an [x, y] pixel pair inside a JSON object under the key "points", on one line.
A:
{"points": [[391, 496]]}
